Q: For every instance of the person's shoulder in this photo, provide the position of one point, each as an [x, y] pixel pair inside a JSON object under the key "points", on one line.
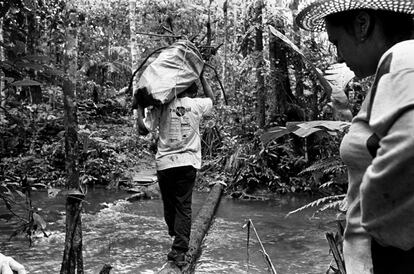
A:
{"points": [[199, 101], [202, 105], [400, 56], [205, 102]]}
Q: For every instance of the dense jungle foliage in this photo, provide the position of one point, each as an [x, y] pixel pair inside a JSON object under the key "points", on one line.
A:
{"points": [[259, 140]]}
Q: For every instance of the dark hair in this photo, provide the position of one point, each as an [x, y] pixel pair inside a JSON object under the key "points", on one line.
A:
{"points": [[396, 26], [191, 91]]}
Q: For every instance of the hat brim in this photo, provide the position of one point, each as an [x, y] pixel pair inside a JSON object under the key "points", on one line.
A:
{"points": [[313, 16]]}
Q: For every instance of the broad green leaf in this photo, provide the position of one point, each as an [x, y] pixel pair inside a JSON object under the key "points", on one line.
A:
{"points": [[273, 133], [329, 125], [303, 129]]}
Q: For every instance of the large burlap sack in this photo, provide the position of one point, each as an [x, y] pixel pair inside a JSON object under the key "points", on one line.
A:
{"points": [[172, 72]]}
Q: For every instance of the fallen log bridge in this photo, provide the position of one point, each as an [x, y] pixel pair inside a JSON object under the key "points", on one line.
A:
{"points": [[199, 229]]}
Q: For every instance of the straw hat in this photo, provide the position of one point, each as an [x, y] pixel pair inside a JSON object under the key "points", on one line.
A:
{"points": [[312, 17]]}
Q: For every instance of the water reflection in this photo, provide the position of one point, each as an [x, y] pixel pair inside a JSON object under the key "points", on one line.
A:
{"points": [[132, 237]]}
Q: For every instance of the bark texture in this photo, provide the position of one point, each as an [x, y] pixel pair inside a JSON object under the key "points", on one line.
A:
{"points": [[259, 62], [72, 256], [2, 85], [281, 90]]}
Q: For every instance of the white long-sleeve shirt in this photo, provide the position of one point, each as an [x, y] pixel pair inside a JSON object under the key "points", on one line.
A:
{"points": [[379, 154]]}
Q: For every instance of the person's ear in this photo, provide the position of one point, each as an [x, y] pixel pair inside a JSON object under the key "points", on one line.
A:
{"points": [[363, 25]]}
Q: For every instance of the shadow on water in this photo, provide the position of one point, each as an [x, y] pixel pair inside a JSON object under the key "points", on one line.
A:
{"points": [[132, 237]]}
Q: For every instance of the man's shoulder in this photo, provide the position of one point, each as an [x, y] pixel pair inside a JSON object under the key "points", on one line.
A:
{"points": [[200, 100], [197, 101]]}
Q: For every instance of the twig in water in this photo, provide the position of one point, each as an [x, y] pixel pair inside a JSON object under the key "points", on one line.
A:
{"points": [[266, 256]]}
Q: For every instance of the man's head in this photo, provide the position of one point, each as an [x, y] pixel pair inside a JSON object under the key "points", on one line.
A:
{"points": [[363, 36], [361, 30], [191, 91]]}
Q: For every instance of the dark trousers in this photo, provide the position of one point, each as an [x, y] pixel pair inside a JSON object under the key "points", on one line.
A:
{"points": [[176, 185], [391, 260]]}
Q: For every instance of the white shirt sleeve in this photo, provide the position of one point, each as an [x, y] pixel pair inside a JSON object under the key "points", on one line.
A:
{"points": [[205, 105]]}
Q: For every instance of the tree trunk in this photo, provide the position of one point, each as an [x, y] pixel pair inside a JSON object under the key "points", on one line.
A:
{"points": [[2, 59], [258, 58], [279, 75], [133, 35], [208, 34], [279, 97], [134, 47], [32, 35], [234, 49], [297, 60], [224, 71], [246, 15], [72, 256]]}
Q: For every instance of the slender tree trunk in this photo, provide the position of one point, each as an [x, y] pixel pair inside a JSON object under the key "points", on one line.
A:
{"points": [[246, 24], [134, 46], [258, 57], [297, 60], [133, 34], [209, 23], [279, 75], [216, 25], [224, 71], [72, 256], [279, 97], [2, 85], [244, 52], [32, 36], [234, 49]]}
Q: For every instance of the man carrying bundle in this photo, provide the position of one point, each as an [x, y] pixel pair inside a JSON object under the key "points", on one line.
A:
{"points": [[177, 159], [164, 99]]}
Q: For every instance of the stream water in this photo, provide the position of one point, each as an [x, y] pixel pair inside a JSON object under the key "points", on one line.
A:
{"points": [[132, 237]]}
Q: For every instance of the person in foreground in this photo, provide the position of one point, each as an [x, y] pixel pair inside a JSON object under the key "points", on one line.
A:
{"points": [[374, 37], [177, 159], [8, 265]]}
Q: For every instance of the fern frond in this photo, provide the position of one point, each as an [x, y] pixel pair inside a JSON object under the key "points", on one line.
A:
{"points": [[325, 166], [334, 168], [327, 184], [331, 205], [318, 202]]}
